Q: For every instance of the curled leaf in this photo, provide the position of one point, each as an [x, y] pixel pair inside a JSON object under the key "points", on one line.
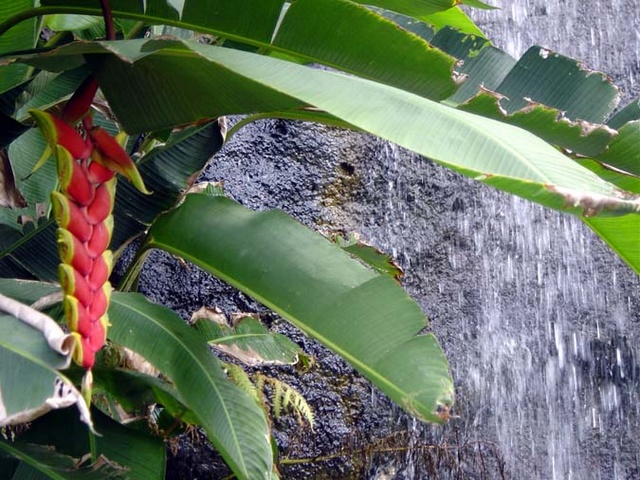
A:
{"points": [[56, 338]]}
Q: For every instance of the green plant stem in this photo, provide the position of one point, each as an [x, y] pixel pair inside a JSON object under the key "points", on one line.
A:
{"points": [[26, 15], [129, 281], [135, 30], [93, 447], [373, 449], [55, 39]]}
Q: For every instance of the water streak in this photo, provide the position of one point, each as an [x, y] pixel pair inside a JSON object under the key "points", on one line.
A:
{"points": [[545, 345]]}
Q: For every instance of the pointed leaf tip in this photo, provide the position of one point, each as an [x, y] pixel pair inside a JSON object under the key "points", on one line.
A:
{"points": [[110, 154], [57, 132]]}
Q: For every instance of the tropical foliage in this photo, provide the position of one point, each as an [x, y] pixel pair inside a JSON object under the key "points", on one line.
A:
{"points": [[418, 73]]}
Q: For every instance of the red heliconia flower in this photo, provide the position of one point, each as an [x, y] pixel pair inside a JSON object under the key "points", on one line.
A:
{"points": [[86, 165]]}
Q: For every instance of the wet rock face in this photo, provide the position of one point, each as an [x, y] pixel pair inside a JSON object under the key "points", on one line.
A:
{"points": [[539, 320], [341, 182], [309, 172]]}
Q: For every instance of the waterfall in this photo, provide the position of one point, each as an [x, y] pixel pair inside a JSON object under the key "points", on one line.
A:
{"points": [[541, 320], [604, 35]]}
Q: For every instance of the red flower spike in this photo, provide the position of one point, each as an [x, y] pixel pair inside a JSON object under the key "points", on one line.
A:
{"points": [[73, 178], [100, 302], [113, 156], [74, 284], [86, 168], [69, 216], [77, 354], [101, 237], [99, 173], [72, 252], [57, 132], [98, 336], [102, 204], [100, 272], [78, 318], [80, 102], [86, 355]]}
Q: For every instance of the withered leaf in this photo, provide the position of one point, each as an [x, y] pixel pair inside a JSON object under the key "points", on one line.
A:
{"points": [[10, 196]]}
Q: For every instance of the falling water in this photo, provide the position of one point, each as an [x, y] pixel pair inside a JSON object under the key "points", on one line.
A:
{"points": [[604, 34], [543, 325]]}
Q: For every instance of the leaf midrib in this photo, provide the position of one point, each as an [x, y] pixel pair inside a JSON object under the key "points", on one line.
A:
{"points": [[363, 367], [197, 362]]}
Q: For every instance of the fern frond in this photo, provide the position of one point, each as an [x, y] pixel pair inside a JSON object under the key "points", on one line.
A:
{"points": [[285, 397], [295, 401], [278, 389], [238, 376]]}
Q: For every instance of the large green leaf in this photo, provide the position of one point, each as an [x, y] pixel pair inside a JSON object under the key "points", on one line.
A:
{"points": [[314, 31], [420, 8], [629, 183], [454, 17], [495, 153], [61, 23], [546, 122], [129, 454], [623, 153], [21, 37], [365, 317], [238, 20], [486, 70], [546, 77], [371, 256], [460, 45], [622, 234], [247, 340], [325, 31], [629, 113], [232, 420], [552, 96], [240, 17]]}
